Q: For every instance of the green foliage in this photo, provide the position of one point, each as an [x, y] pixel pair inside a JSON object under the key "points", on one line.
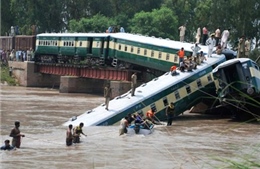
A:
{"points": [[161, 23], [160, 18], [97, 23], [5, 76]]}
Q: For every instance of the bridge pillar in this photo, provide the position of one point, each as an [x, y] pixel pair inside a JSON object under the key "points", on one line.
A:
{"points": [[25, 73], [119, 87], [72, 84]]}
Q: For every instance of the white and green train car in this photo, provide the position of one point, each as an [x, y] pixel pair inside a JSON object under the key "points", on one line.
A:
{"points": [[185, 90], [238, 86], [47, 45], [155, 53], [67, 46]]}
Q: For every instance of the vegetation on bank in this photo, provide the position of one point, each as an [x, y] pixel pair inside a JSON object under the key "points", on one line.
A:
{"points": [[159, 18], [6, 78]]}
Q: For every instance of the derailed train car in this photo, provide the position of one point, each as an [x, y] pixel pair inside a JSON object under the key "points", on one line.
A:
{"points": [[238, 86], [115, 49]]}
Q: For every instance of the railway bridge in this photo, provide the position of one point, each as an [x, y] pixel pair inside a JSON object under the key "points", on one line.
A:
{"points": [[75, 78]]}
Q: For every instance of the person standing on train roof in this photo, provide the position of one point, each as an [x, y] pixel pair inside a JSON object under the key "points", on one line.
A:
{"points": [[181, 54], [182, 30], [195, 50], [133, 83], [198, 35], [170, 113], [241, 47], [122, 30], [217, 36], [107, 94], [211, 42], [204, 35], [224, 38], [15, 133], [247, 47]]}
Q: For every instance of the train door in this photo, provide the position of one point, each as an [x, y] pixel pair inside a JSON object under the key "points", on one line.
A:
{"points": [[89, 46]]}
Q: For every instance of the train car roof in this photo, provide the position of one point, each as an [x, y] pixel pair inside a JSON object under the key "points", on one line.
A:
{"points": [[230, 62], [74, 34], [98, 115], [167, 43]]}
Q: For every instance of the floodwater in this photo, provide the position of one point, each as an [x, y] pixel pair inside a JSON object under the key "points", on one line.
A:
{"points": [[193, 142]]}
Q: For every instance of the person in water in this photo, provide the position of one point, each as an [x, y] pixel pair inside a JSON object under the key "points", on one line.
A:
{"points": [[7, 146], [15, 133], [170, 113], [123, 126], [69, 136], [76, 133]]}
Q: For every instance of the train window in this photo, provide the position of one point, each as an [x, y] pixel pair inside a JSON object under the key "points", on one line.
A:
{"points": [[167, 56], [140, 112], [152, 54], [125, 47], [177, 95], [97, 43], [188, 89], [160, 55], [119, 47], [138, 51], [132, 49], [153, 107], [209, 78], [56, 43], [165, 101], [72, 43], [175, 58], [199, 83], [80, 43], [145, 52], [49, 43]]}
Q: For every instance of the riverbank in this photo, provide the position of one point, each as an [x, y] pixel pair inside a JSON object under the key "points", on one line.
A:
{"points": [[6, 79]]}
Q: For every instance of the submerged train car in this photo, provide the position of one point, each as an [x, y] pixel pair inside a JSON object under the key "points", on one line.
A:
{"points": [[238, 86], [185, 90]]}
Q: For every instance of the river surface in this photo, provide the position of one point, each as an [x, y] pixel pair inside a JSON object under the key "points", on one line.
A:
{"points": [[192, 142]]}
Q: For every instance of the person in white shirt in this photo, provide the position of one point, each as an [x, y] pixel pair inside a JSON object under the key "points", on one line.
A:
{"points": [[198, 35], [182, 30], [211, 42], [195, 50], [224, 38], [217, 35]]}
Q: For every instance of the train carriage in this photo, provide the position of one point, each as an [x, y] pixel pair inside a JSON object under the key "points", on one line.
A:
{"points": [[238, 86], [7, 43], [47, 47], [151, 52], [24, 42]]}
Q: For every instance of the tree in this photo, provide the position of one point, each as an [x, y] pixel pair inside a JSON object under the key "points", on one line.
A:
{"points": [[6, 17], [161, 23]]}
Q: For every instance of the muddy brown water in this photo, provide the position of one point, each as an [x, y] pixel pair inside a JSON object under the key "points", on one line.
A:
{"points": [[192, 142]]}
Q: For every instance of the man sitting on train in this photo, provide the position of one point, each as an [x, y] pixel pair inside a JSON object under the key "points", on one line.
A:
{"points": [[182, 66], [173, 70]]}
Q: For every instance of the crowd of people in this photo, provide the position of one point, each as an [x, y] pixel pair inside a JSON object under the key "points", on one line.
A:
{"points": [[20, 55], [146, 121]]}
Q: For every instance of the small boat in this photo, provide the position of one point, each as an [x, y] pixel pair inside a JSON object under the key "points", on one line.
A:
{"points": [[140, 129]]}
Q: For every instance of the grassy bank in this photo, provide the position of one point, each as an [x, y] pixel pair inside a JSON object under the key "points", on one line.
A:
{"points": [[5, 77]]}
